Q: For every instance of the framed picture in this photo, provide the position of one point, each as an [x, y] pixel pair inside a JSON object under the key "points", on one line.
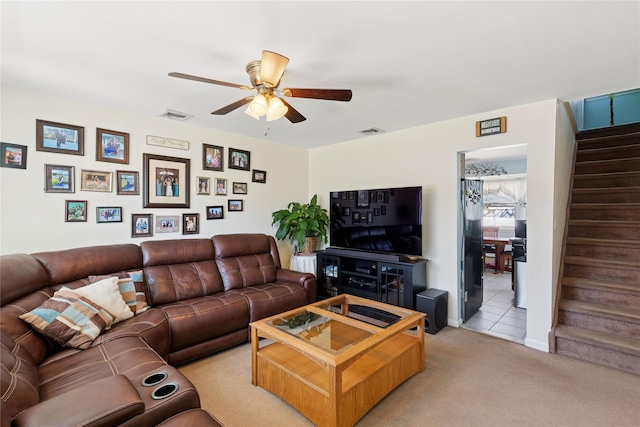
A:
{"points": [[363, 199], [167, 223], [190, 223], [215, 212], [112, 146], [203, 185], [75, 211], [109, 214], [259, 176], [96, 181], [59, 138], [59, 179], [239, 188], [141, 225], [14, 156], [239, 159], [235, 206], [165, 181], [128, 182], [221, 187], [212, 158]]}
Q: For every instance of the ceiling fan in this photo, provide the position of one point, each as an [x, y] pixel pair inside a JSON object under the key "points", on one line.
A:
{"points": [[265, 75]]}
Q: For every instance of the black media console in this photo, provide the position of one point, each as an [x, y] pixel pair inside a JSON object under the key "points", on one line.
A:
{"points": [[389, 278]]}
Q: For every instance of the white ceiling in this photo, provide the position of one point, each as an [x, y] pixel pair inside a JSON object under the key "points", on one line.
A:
{"points": [[407, 63]]}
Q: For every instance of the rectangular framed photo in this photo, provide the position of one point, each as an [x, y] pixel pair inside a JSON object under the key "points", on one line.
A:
{"points": [[59, 138], [236, 205], [141, 225], [75, 211], [165, 181], [59, 179], [112, 146], [203, 185], [221, 187], [14, 156], [239, 159], [96, 181], [215, 212], [108, 214], [167, 223], [128, 182], [259, 176], [239, 188], [212, 158], [190, 223]]}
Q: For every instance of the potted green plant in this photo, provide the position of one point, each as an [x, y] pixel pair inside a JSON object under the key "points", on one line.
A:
{"points": [[303, 224]]}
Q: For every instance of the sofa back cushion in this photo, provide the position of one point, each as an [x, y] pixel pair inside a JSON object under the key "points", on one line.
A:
{"points": [[177, 270], [19, 381], [246, 259], [21, 275]]}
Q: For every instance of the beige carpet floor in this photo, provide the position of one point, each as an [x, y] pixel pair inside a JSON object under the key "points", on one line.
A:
{"points": [[470, 379]]}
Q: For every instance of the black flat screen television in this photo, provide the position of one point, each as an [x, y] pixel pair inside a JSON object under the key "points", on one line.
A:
{"points": [[387, 220]]}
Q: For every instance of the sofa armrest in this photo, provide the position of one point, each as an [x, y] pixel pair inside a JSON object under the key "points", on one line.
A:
{"points": [[306, 280], [106, 402]]}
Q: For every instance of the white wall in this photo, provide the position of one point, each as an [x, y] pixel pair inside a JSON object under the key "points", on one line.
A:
{"points": [[428, 156], [32, 220]]}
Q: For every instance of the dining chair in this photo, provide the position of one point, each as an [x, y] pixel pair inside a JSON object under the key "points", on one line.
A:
{"points": [[489, 249]]}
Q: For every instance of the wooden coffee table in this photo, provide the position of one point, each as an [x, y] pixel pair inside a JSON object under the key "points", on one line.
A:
{"points": [[335, 359]]}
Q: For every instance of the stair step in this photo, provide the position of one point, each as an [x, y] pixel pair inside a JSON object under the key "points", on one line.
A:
{"points": [[621, 295], [596, 347], [618, 321], [605, 195], [606, 211], [601, 229], [602, 269], [624, 151], [607, 166], [603, 248], [604, 311], [607, 180]]}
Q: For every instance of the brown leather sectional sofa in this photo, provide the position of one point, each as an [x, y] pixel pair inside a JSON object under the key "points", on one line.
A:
{"points": [[202, 294]]}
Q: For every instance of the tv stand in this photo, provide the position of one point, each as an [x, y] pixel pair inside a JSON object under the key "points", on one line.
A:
{"points": [[390, 278]]}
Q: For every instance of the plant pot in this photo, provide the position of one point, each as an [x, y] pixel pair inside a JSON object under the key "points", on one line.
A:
{"points": [[310, 245]]}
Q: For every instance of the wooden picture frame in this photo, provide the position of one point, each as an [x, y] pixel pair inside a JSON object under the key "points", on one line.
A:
{"points": [[221, 186], [105, 214], [212, 158], [190, 223], [13, 156], [239, 159], [112, 146], [165, 181], [96, 181], [59, 179], [75, 211], [167, 223], [127, 182], [203, 185], [141, 225], [259, 176], [235, 205], [59, 138], [239, 188], [215, 212]]}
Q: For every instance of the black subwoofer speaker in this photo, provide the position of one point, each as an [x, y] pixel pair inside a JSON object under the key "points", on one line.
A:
{"points": [[434, 303]]}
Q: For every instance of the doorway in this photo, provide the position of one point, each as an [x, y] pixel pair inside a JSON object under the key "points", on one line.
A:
{"points": [[494, 308]]}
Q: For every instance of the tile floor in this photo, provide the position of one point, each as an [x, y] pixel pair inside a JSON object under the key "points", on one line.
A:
{"points": [[498, 315]]}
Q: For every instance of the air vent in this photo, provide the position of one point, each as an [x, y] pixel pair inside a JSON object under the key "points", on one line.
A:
{"points": [[371, 131], [177, 115]]}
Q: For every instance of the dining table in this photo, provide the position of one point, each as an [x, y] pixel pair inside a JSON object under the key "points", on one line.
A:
{"points": [[499, 243]]}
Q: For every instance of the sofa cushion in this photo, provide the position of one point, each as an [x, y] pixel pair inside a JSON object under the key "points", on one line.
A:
{"points": [[131, 286], [248, 270], [18, 378], [108, 294], [272, 298]]}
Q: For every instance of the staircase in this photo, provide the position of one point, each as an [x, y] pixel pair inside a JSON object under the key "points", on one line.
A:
{"points": [[597, 313]]}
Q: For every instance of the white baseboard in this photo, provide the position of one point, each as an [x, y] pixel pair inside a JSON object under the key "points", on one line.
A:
{"points": [[538, 345]]}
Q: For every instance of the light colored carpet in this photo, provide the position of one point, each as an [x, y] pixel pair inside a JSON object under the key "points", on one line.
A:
{"points": [[470, 379]]}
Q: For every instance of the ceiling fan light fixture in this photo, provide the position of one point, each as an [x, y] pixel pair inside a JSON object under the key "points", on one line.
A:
{"points": [[257, 107], [276, 109]]}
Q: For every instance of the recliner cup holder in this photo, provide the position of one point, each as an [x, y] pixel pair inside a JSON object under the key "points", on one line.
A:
{"points": [[155, 378], [164, 391]]}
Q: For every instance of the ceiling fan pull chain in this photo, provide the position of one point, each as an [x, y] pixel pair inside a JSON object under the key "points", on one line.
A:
{"points": [[266, 129]]}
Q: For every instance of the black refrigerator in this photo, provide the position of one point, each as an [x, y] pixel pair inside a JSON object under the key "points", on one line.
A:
{"points": [[471, 269]]}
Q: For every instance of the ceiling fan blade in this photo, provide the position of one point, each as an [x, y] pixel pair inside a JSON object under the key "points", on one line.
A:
{"points": [[328, 94], [206, 80], [272, 68], [233, 106], [292, 114]]}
